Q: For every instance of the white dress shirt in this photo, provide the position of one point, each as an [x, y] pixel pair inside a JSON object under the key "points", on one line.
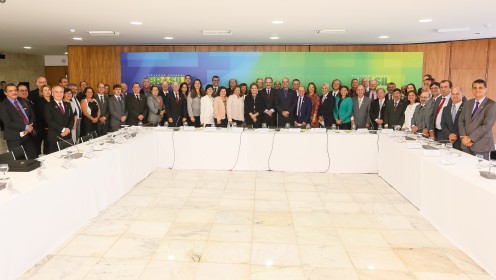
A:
{"points": [[410, 109], [207, 110]]}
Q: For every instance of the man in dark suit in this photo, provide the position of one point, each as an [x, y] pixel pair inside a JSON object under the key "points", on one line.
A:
{"points": [[390, 87], [326, 109], [215, 86], [421, 115], [269, 116], [438, 109], [450, 117], [59, 118], [34, 95], [361, 108], [117, 109], [395, 110], [136, 106], [285, 103], [233, 83], [175, 107], [102, 100], [18, 118], [303, 108], [477, 119], [377, 109], [436, 100]]}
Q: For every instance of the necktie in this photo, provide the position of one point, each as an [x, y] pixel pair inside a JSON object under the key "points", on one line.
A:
{"points": [[453, 113], [78, 107], [268, 93], [380, 107], [476, 108], [137, 96], [177, 97], [359, 103], [299, 106], [372, 96], [395, 105], [324, 98], [61, 107], [119, 98], [101, 99], [438, 109], [24, 118], [285, 93]]}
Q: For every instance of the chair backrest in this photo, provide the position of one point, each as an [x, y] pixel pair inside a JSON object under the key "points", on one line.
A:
{"points": [[5, 157], [85, 138], [19, 153], [93, 134], [63, 144]]}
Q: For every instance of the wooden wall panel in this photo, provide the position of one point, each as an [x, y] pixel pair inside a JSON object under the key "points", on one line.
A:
{"points": [[54, 73], [236, 48], [207, 48], [464, 78], [319, 48], [297, 48], [276, 48], [469, 54], [491, 74]]}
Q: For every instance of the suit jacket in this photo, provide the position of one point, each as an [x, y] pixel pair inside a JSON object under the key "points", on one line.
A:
{"points": [[154, 109], [284, 103], [219, 109], [256, 105], [448, 126], [344, 111], [376, 112], [269, 100], [326, 109], [104, 107], [174, 110], [306, 110], [34, 95], [421, 116], [57, 121], [135, 107], [478, 128], [435, 104], [116, 111], [13, 121], [361, 113], [394, 117]]}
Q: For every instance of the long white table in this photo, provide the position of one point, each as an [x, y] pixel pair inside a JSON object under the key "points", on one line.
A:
{"points": [[36, 216], [454, 198]]}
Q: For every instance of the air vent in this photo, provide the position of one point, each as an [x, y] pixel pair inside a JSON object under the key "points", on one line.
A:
{"points": [[330, 31], [103, 33], [217, 32]]}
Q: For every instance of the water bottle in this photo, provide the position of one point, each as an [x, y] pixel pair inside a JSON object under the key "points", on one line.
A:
{"points": [[379, 127], [166, 124], [185, 124], [140, 123]]}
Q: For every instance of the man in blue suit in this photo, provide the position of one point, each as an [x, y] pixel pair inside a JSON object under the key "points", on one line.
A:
{"points": [[285, 103], [303, 108]]}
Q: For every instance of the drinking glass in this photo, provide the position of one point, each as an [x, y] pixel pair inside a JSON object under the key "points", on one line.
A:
{"points": [[333, 127], [264, 125], [379, 127], [4, 168], [449, 146], [479, 157], [307, 126], [353, 127], [287, 125]]}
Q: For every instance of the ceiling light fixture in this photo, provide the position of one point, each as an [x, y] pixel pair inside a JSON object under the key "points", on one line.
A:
{"points": [[136, 23], [217, 32], [77, 38], [277, 22], [72, 30], [274, 37], [103, 33], [447, 30], [66, 53], [425, 20], [383, 37], [169, 38], [330, 31], [27, 47]]}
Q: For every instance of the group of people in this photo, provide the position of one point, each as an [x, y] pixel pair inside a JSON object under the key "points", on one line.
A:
{"points": [[65, 111]]}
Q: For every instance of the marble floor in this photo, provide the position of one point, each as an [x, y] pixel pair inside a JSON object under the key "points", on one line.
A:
{"points": [[208, 225]]}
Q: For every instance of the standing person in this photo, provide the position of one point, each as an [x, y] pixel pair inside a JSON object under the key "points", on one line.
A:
{"points": [[268, 93], [117, 109], [285, 103], [136, 107], [19, 120], [35, 94], [395, 109], [59, 118], [220, 104], [303, 108], [207, 107], [254, 107], [146, 87], [67, 99], [215, 85], [91, 112], [156, 107], [42, 127], [421, 116], [176, 106], [235, 107], [193, 102], [412, 101], [76, 109], [354, 85], [377, 109], [344, 109], [327, 105], [477, 120], [451, 117], [361, 106], [314, 97], [102, 100]]}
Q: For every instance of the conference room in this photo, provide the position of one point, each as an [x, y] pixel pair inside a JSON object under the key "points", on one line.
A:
{"points": [[248, 147]]}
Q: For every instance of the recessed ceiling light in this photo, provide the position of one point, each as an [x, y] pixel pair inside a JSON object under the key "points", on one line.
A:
{"points": [[169, 38], [216, 32], [277, 22], [72, 30], [274, 37], [136, 23], [383, 37], [27, 47], [77, 38], [445, 30], [331, 31], [66, 53], [425, 20]]}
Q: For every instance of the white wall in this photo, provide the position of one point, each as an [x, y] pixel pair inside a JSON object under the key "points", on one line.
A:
{"points": [[56, 60]]}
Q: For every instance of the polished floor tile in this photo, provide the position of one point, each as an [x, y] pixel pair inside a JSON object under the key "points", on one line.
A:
{"points": [[205, 225]]}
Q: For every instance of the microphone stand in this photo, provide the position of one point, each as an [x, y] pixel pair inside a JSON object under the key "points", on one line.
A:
{"points": [[77, 155]]}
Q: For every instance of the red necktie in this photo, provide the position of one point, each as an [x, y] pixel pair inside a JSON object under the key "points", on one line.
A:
{"points": [[438, 109], [177, 98], [22, 114], [61, 107]]}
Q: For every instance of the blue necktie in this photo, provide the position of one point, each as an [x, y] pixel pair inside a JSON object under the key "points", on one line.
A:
{"points": [[476, 108]]}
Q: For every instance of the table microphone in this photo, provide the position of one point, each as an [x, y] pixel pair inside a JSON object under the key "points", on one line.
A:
{"points": [[77, 155]]}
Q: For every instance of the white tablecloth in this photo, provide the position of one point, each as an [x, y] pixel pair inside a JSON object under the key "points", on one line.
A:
{"points": [[36, 216]]}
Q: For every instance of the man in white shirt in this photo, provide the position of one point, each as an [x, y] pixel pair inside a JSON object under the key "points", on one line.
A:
{"points": [[336, 85], [444, 99]]}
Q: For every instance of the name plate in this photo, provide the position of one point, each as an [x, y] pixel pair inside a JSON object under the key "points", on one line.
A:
{"points": [[294, 130], [362, 130], [189, 128], [237, 129], [432, 153], [318, 130], [210, 128], [414, 145], [67, 164]]}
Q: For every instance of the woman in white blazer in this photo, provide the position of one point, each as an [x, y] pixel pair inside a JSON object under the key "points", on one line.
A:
{"points": [[207, 107]]}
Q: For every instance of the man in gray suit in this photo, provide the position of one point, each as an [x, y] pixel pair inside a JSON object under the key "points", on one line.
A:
{"points": [[361, 106], [477, 120], [117, 109], [451, 116], [421, 116], [102, 100]]}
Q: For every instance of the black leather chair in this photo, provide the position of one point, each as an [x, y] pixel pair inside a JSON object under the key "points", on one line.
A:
{"points": [[5, 157], [85, 138], [64, 144], [19, 153]]}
